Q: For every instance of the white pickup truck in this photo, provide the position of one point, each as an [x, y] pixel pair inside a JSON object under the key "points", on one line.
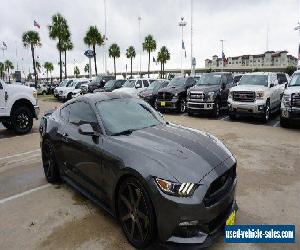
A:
{"points": [[68, 92], [18, 107], [258, 94]]}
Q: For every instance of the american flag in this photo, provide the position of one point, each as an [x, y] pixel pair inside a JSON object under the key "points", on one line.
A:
{"points": [[4, 44], [36, 24], [224, 58]]}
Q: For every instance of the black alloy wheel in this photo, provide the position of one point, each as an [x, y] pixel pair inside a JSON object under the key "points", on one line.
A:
{"points": [[49, 162], [22, 120], [7, 124], [182, 106], [136, 214], [216, 110], [266, 115]]}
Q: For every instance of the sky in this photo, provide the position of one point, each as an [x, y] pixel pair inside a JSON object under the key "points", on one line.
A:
{"points": [[242, 24]]}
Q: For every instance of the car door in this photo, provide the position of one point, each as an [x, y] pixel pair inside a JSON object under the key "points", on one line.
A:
{"points": [[82, 155], [224, 90], [274, 91], [2, 98]]}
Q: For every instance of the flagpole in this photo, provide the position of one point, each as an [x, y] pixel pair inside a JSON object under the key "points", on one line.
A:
{"points": [[298, 29], [140, 44], [181, 24], [192, 68], [222, 44]]}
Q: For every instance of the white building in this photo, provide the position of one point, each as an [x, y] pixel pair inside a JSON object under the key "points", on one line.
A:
{"points": [[268, 59]]}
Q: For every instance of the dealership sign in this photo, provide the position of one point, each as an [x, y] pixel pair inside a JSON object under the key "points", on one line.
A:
{"points": [[89, 53]]}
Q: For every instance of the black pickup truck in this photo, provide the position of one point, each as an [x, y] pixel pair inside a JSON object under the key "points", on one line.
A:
{"points": [[173, 97], [210, 93]]}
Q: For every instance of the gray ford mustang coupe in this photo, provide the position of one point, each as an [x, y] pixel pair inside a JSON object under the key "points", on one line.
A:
{"points": [[163, 182]]}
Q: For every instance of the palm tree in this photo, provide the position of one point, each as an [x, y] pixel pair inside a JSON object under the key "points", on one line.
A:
{"points": [[76, 71], [114, 52], [49, 68], [163, 56], [149, 45], [130, 53], [8, 65], [38, 69], [87, 68], [66, 46], [59, 30], [92, 38], [32, 39], [1, 70]]}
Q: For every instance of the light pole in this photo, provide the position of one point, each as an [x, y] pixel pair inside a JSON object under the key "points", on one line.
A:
{"points": [[298, 28], [182, 24], [192, 64], [222, 44], [105, 38], [140, 42]]}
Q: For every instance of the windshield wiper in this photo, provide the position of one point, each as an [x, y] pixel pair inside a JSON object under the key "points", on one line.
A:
{"points": [[125, 132]]}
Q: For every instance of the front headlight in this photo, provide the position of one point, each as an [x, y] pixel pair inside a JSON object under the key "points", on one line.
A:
{"points": [[286, 99], [260, 95], [34, 94], [210, 96], [176, 189], [230, 95]]}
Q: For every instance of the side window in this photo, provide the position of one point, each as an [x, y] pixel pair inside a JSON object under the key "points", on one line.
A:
{"points": [[281, 78], [81, 113], [165, 84], [119, 84], [64, 113], [138, 84], [146, 83], [229, 79], [190, 82], [223, 80]]}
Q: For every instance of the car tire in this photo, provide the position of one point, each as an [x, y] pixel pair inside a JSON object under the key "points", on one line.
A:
{"points": [[7, 124], [69, 96], [50, 166], [136, 213], [232, 116], [266, 114], [284, 122], [21, 120], [190, 113], [182, 106], [216, 110], [44, 93]]}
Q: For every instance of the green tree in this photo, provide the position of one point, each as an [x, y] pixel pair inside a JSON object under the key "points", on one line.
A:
{"points": [[66, 45], [76, 71], [149, 45], [87, 68], [49, 68], [8, 66], [92, 38], [59, 30], [31, 39], [1, 70], [114, 52], [130, 53], [290, 70], [163, 56]]}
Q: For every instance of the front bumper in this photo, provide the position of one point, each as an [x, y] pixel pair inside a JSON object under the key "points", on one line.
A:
{"points": [[256, 108], [290, 113], [36, 111], [200, 106], [169, 105], [172, 212]]}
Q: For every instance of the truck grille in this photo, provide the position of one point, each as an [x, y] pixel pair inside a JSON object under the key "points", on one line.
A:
{"points": [[220, 186], [244, 96], [295, 100], [165, 96], [199, 96]]}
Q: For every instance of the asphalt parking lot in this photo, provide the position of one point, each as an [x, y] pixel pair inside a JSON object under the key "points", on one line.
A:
{"points": [[36, 215]]}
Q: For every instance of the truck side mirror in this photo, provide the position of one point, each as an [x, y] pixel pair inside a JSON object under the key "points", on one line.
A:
{"points": [[271, 85]]}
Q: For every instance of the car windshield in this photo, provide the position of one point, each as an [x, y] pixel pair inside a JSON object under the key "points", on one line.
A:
{"points": [[177, 82], [261, 80], [209, 79], [72, 84], [295, 80], [64, 83], [155, 84], [121, 116], [129, 84], [109, 84]]}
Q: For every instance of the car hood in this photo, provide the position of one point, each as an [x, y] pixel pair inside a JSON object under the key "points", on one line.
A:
{"points": [[19, 87], [187, 154], [147, 92], [249, 88], [205, 88], [64, 88], [292, 90], [126, 90], [173, 90]]}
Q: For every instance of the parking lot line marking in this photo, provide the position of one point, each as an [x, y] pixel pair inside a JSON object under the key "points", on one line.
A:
{"points": [[276, 124], [16, 155], [24, 193]]}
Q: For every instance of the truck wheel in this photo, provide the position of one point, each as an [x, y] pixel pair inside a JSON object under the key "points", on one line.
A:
{"points": [[216, 110], [232, 116], [182, 106], [266, 115], [44, 93], [284, 122], [69, 97], [7, 124], [190, 113], [22, 120]]}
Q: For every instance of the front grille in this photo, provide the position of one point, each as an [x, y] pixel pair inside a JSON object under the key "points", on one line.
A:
{"points": [[197, 96], [165, 96], [60, 92], [219, 187], [244, 96], [195, 105], [295, 100]]}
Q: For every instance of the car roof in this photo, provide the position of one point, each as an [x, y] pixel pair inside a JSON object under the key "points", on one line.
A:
{"points": [[102, 96], [260, 73]]}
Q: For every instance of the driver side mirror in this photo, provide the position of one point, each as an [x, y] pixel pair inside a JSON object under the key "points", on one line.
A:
{"points": [[272, 85], [86, 129]]}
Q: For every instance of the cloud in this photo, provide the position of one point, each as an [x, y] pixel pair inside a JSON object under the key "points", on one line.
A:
{"points": [[243, 24]]}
